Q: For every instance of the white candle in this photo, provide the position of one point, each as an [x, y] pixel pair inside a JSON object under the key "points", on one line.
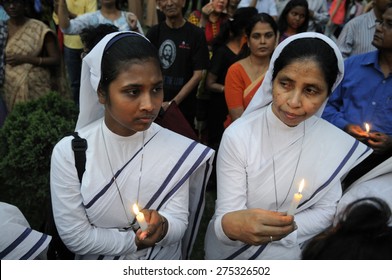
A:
{"points": [[140, 218], [296, 199], [367, 128]]}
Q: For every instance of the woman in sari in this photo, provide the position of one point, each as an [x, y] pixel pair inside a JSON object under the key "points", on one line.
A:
{"points": [[31, 55], [246, 75], [226, 49], [129, 161], [279, 141]]}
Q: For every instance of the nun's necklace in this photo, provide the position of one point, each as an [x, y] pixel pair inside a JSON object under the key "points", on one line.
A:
{"points": [[115, 177], [277, 206]]}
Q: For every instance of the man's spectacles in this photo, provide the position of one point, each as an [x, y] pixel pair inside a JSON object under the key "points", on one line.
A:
{"points": [[384, 24]]}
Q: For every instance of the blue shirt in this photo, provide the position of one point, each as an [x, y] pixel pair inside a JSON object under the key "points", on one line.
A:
{"points": [[364, 95]]}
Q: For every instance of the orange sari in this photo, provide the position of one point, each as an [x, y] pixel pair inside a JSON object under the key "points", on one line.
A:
{"points": [[239, 89]]}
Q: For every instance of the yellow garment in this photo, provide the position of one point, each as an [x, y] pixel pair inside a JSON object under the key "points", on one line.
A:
{"points": [[25, 82], [77, 7]]}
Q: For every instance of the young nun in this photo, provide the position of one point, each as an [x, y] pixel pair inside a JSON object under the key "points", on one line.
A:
{"points": [[279, 141], [129, 160]]}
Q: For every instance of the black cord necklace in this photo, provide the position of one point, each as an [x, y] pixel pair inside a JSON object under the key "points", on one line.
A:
{"points": [[273, 166]]}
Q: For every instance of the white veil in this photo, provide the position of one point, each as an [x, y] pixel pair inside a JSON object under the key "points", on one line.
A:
{"points": [[263, 95], [90, 108]]}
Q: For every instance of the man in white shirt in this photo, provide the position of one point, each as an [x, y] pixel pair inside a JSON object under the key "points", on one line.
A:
{"points": [[263, 6]]}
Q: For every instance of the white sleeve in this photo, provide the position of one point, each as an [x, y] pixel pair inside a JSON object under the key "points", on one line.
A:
{"points": [[177, 216], [76, 25], [231, 180], [244, 3], [272, 11], [318, 217], [70, 216]]}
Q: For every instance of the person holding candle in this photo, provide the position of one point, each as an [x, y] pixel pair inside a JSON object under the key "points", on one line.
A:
{"points": [[365, 96], [129, 161], [279, 140]]}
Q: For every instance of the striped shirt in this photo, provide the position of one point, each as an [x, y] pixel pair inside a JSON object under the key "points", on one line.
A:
{"points": [[357, 35]]}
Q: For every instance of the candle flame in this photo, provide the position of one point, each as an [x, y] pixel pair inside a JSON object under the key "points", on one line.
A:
{"points": [[367, 127], [301, 185], [135, 209]]}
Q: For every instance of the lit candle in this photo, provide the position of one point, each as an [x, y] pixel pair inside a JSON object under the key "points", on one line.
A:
{"points": [[296, 199], [140, 218], [367, 128]]}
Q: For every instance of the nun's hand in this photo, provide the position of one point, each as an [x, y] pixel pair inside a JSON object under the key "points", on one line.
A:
{"points": [[156, 230], [257, 226]]}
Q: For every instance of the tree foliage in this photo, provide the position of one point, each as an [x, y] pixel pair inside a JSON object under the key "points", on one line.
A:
{"points": [[26, 141]]}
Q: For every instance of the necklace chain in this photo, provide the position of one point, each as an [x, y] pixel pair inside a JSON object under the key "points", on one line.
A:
{"points": [[273, 167], [114, 176]]}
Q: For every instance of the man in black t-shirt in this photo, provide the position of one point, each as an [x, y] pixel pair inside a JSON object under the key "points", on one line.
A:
{"points": [[184, 55]]}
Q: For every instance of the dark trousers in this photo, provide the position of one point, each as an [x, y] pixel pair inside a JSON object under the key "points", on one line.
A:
{"points": [[73, 64]]}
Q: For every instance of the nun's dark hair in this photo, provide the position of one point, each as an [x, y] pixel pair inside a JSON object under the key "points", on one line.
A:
{"points": [[362, 233], [119, 51], [310, 48]]}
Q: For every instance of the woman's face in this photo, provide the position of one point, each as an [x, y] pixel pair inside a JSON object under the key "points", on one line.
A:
{"points": [[262, 40], [14, 8], [134, 98], [219, 5], [234, 3], [298, 91], [296, 17]]}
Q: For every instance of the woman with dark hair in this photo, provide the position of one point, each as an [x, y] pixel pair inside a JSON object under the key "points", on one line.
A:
{"points": [[225, 48], [294, 19], [362, 233], [245, 76], [131, 163], [279, 141]]}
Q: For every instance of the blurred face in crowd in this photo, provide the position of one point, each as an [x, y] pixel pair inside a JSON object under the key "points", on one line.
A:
{"points": [[296, 17], [219, 5], [262, 40], [383, 35], [14, 8], [171, 8]]}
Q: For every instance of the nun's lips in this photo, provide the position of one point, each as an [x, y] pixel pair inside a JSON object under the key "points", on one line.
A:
{"points": [[291, 115]]}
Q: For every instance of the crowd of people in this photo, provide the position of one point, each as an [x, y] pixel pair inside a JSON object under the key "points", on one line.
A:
{"points": [[276, 92]]}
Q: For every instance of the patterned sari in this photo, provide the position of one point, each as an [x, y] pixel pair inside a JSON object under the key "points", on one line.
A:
{"points": [[25, 82]]}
